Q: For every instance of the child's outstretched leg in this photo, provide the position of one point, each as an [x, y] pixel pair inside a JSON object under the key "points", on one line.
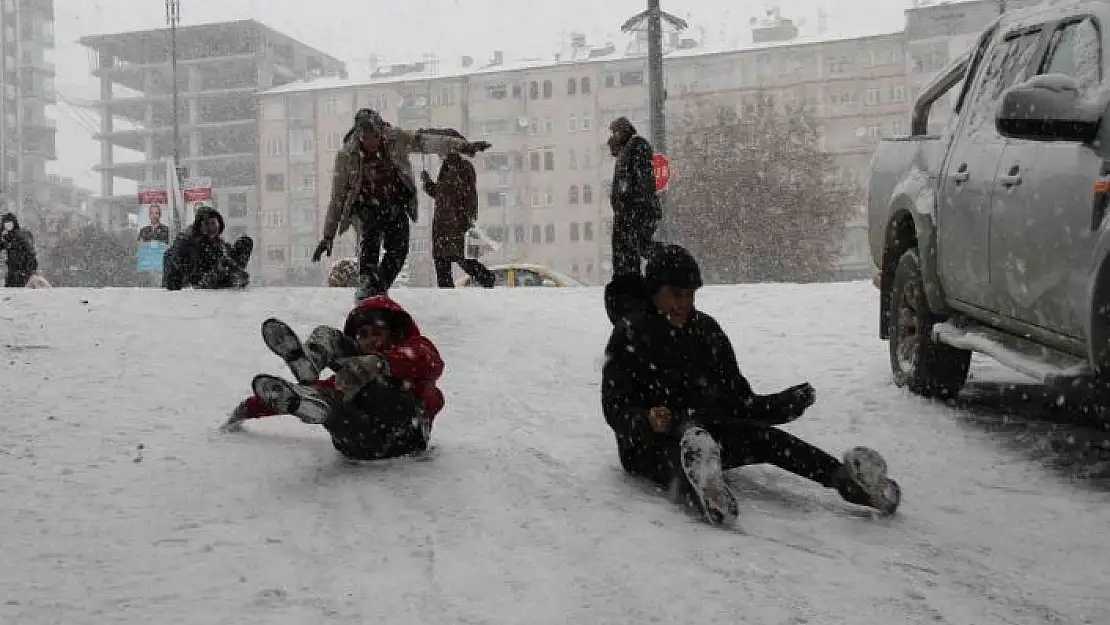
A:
{"points": [[283, 341], [305, 402]]}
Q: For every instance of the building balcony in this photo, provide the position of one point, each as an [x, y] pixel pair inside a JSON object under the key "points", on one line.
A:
{"points": [[135, 138], [39, 66], [40, 144]]}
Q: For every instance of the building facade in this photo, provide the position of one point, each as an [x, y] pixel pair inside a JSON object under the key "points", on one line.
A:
{"points": [[543, 187], [27, 134], [220, 69]]}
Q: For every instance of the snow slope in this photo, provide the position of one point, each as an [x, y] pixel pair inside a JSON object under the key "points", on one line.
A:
{"points": [[120, 503]]}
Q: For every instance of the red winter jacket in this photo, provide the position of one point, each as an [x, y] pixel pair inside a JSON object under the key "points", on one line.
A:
{"points": [[414, 358]]}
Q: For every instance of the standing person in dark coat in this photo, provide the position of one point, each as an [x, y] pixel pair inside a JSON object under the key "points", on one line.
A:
{"points": [[456, 208], [682, 412], [636, 207], [373, 185], [200, 258], [22, 261]]}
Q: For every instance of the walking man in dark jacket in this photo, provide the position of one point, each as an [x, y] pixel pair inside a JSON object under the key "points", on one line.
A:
{"points": [[456, 208], [22, 260], [682, 412], [636, 208], [373, 185], [200, 258]]}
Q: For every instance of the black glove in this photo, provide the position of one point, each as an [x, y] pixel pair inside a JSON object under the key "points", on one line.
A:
{"points": [[797, 398], [473, 147], [323, 248]]}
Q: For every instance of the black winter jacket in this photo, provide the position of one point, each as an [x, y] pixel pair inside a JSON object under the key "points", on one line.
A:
{"points": [[19, 245], [633, 191], [194, 257], [691, 370]]}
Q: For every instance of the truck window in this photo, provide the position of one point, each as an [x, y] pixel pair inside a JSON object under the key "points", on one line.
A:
{"points": [[1076, 50], [1006, 65]]}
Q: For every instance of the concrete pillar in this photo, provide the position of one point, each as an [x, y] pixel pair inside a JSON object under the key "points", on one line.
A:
{"points": [[106, 159]]}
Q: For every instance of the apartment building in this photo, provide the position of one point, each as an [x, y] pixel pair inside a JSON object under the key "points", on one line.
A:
{"points": [[220, 69], [544, 185], [27, 136]]}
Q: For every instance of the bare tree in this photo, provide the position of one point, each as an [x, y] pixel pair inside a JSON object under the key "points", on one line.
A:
{"points": [[754, 197]]}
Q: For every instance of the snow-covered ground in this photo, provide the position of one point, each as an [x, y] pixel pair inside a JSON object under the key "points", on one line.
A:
{"points": [[120, 502]]}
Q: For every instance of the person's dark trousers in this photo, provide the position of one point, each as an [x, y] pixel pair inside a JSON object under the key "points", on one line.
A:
{"points": [[17, 279], [746, 443], [383, 228], [382, 421], [632, 242], [473, 268]]}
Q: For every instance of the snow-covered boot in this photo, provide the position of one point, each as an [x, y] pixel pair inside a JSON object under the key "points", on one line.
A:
{"points": [[235, 420], [326, 346], [283, 341], [369, 285], [700, 457], [354, 373], [863, 481], [304, 402]]}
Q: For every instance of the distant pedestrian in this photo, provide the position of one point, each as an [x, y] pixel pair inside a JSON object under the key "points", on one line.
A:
{"points": [[636, 207]]}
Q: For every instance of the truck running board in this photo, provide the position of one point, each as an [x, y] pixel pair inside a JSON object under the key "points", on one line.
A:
{"points": [[1045, 365]]}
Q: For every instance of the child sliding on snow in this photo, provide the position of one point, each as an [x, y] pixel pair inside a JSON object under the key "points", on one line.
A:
{"points": [[382, 399], [683, 413]]}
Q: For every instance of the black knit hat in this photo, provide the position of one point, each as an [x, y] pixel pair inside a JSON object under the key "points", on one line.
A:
{"points": [[671, 265]]}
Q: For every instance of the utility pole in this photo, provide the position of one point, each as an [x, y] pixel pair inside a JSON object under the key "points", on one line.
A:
{"points": [[173, 18], [652, 20]]}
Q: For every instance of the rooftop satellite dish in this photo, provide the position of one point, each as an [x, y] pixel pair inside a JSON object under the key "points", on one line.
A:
{"points": [[522, 122]]}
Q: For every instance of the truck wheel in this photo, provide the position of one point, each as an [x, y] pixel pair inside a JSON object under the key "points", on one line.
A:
{"points": [[919, 363]]}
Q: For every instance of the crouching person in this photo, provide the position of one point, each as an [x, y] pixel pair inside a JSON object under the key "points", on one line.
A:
{"points": [[382, 398], [683, 413], [200, 258]]}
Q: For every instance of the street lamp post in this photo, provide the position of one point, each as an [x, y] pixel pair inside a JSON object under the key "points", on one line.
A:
{"points": [[652, 20], [173, 18]]}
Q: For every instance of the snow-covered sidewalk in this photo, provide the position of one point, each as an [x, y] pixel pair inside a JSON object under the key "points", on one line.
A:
{"points": [[120, 503]]}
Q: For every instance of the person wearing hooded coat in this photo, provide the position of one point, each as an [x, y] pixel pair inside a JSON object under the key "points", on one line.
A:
{"points": [[682, 412], [456, 208], [200, 258], [381, 400], [373, 186], [636, 207], [18, 243]]}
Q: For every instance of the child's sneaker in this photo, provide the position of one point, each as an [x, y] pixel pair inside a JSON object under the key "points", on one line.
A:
{"points": [[283, 341], [700, 456], [284, 398], [327, 345], [863, 481]]}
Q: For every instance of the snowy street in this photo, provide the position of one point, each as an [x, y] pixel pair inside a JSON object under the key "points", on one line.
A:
{"points": [[120, 502]]}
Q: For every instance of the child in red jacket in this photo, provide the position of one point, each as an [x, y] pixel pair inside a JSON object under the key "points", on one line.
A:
{"points": [[383, 397]]}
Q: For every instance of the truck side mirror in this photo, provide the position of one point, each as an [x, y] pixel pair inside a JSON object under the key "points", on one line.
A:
{"points": [[1048, 107]]}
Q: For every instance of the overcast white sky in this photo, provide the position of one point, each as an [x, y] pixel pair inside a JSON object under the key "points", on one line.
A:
{"points": [[403, 30]]}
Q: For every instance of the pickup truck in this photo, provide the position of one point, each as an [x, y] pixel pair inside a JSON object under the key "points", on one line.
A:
{"points": [[990, 235]]}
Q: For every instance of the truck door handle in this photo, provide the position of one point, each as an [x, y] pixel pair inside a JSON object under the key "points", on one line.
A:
{"points": [[1011, 179], [961, 175]]}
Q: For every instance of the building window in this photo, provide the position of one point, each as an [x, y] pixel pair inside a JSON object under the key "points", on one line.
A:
{"points": [[549, 233], [549, 160], [495, 200], [534, 161], [585, 86], [588, 231], [308, 182], [497, 91], [572, 86], [572, 124], [574, 231], [236, 205], [533, 126], [273, 108], [549, 197], [534, 90], [518, 91], [587, 194], [333, 141], [519, 233], [536, 235], [274, 219], [587, 124], [548, 126], [572, 160], [275, 253], [275, 182], [609, 81], [333, 105], [548, 90], [537, 200], [275, 146], [629, 79], [573, 195]]}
